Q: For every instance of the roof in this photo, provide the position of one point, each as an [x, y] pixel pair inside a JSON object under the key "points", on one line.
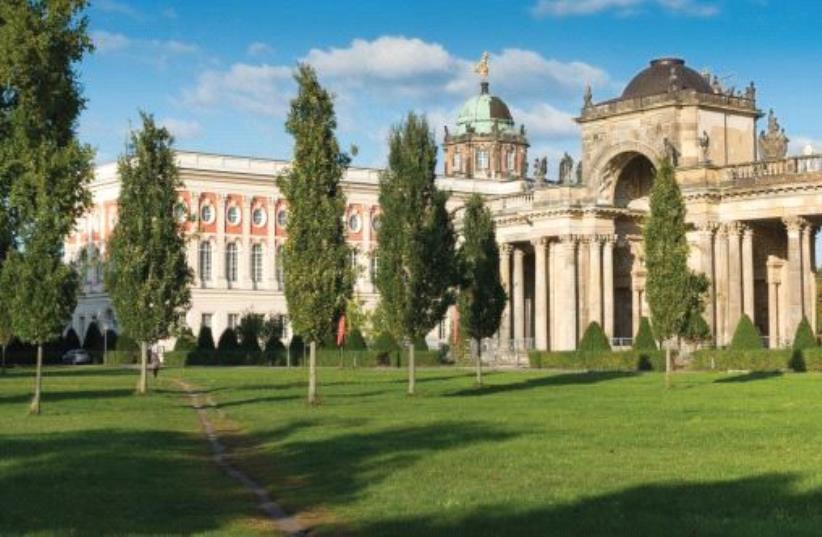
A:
{"points": [[482, 112], [656, 79]]}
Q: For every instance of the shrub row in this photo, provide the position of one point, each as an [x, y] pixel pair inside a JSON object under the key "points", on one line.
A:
{"points": [[325, 358], [759, 360], [599, 361]]}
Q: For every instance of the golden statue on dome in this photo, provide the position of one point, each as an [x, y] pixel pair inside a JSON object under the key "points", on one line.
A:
{"points": [[481, 68]]}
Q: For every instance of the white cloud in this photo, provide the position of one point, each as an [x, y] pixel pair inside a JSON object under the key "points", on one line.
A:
{"points": [[385, 58], [259, 49], [259, 89], [567, 8], [182, 129], [546, 122], [798, 145], [106, 42]]}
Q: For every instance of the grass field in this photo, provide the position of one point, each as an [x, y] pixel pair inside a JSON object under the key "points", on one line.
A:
{"points": [[532, 453]]}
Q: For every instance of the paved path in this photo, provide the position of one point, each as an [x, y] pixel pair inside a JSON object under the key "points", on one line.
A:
{"points": [[286, 523]]}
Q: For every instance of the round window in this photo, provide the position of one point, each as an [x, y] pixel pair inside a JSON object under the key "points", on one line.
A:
{"points": [[376, 222], [181, 211], [258, 217], [233, 215], [354, 222], [282, 218], [207, 214]]}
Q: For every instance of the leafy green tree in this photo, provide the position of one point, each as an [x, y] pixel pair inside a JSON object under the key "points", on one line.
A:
{"points": [[594, 339], [804, 338], [482, 297], [746, 336], [44, 170], [672, 289], [6, 334], [205, 339], [147, 275], [318, 276], [417, 268], [355, 341]]}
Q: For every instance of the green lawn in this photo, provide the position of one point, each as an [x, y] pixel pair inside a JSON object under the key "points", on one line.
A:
{"points": [[533, 453]]}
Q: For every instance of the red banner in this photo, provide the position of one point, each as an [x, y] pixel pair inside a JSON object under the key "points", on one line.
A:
{"points": [[341, 331]]}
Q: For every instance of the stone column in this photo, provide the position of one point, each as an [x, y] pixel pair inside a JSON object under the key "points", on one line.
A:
{"points": [[706, 246], [540, 293], [219, 251], [734, 278], [748, 273], [721, 287], [505, 276], [519, 297], [608, 286], [774, 313], [595, 280], [566, 288], [793, 283], [807, 273]]}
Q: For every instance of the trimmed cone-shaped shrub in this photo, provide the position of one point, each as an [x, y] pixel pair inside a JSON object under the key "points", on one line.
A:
{"points": [[297, 349], [746, 336], [594, 339], [804, 338], [205, 339], [385, 343], [644, 339], [70, 340], [355, 341], [110, 339], [94, 338], [228, 341]]}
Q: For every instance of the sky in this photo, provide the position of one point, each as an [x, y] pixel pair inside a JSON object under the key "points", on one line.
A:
{"points": [[219, 74]]}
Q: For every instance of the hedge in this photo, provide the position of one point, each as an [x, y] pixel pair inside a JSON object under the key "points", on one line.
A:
{"points": [[325, 358], [113, 358], [598, 361], [749, 360]]}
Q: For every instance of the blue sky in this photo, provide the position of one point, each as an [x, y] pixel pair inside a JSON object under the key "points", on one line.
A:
{"points": [[218, 74]]}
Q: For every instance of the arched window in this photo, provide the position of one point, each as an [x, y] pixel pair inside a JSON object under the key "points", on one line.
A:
{"points": [[482, 160], [205, 261], [231, 262], [257, 263], [278, 267]]}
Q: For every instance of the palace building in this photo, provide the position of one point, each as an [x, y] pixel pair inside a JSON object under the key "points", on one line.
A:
{"points": [[571, 248]]}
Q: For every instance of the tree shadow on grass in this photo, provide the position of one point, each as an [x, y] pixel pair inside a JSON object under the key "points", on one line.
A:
{"points": [[563, 379], [761, 505], [748, 377], [69, 371], [115, 482], [55, 396], [335, 470]]}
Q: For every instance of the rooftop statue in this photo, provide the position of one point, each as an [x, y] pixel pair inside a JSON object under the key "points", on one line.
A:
{"points": [[773, 144], [481, 68], [588, 98], [566, 170]]}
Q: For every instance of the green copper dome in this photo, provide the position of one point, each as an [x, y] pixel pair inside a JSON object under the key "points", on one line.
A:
{"points": [[482, 112]]}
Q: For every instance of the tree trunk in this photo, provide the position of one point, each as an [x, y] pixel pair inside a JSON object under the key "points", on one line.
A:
{"points": [[142, 384], [412, 370], [312, 373], [38, 381], [478, 353], [668, 366]]}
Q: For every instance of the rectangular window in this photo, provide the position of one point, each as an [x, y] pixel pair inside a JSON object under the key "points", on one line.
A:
{"points": [[233, 320], [205, 320], [482, 160], [456, 162], [257, 263], [510, 161]]}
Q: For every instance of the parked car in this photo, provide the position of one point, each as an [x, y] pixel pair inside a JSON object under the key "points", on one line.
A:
{"points": [[76, 357]]}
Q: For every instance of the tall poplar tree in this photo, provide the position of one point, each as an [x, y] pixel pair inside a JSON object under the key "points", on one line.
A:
{"points": [[44, 170], [318, 278], [673, 290], [147, 276], [481, 297], [417, 266]]}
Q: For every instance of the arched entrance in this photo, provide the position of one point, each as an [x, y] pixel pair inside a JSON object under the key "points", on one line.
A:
{"points": [[634, 176]]}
